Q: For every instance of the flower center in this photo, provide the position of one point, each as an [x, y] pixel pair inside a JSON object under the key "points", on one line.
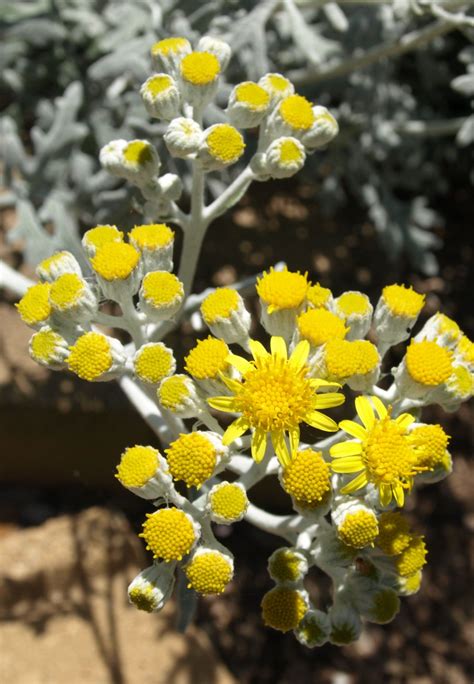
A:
{"points": [[225, 143], [275, 396], [387, 453]]}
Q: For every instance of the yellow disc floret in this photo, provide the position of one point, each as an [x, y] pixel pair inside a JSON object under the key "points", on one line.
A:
{"points": [[282, 289], [283, 608], [115, 261], [318, 296], [225, 143], [403, 301], [209, 572], [207, 359], [44, 344], [228, 501], [448, 327], [200, 68], [284, 565], [169, 46], [66, 291], [90, 356], [137, 465], [318, 326], [307, 478], [100, 235], [219, 304], [158, 84], [358, 529], [169, 534], [290, 152], [394, 533], [353, 303], [428, 363], [34, 306], [173, 391], [413, 558], [153, 362], [252, 95], [143, 598], [152, 236], [297, 112], [345, 359], [430, 443], [138, 153], [161, 288], [192, 458]]}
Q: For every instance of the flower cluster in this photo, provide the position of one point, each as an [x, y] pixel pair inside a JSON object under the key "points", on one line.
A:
{"points": [[241, 409]]}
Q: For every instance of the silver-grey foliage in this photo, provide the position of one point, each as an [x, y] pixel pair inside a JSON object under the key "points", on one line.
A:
{"points": [[71, 70]]}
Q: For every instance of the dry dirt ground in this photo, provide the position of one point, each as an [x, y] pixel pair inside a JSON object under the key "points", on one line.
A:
{"points": [[61, 440]]}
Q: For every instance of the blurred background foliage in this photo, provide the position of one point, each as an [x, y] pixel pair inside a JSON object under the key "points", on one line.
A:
{"points": [[398, 76]]}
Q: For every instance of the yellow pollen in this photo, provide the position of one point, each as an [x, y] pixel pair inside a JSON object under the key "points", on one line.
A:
{"points": [[289, 152], [297, 112], [282, 289], [137, 465], [359, 529], [345, 359], [394, 533], [151, 237], [253, 96], [225, 143], [307, 478], [143, 598], [352, 303], [159, 84], [34, 306], [219, 304], [138, 153], [90, 356], [278, 83], [428, 363], [154, 362], [115, 261], [170, 46], [387, 453], [430, 443], [207, 359], [192, 458], [403, 301], [209, 572], [228, 501], [285, 566], [169, 534], [200, 68], [465, 349], [318, 296], [101, 235], [283, 608], [66, 291], [173, 391], [44, 343], [161, 288], [318, 326], [413, 558]]}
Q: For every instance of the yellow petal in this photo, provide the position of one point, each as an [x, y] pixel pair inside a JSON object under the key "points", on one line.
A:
{"points": [[294, 435], [299, 355], [346, 449], [328, 400], [259, 445], [320, 421], [281, 449], [399, 494], [278, 347], [365, 411], [379, 407], [356, 484], [242, 365], [222, 403], [235, 429], [353, 429], [316, 383], [349, 464], [385, 494], [233, 385], [258, 350], [405, 420]]}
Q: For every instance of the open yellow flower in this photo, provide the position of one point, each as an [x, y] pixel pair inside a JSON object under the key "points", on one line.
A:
{"points": [[274, 396], [381, 452]]}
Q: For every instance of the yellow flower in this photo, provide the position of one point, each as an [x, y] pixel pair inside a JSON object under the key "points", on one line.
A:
{"points": [[274, 396], [382, 453]]}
